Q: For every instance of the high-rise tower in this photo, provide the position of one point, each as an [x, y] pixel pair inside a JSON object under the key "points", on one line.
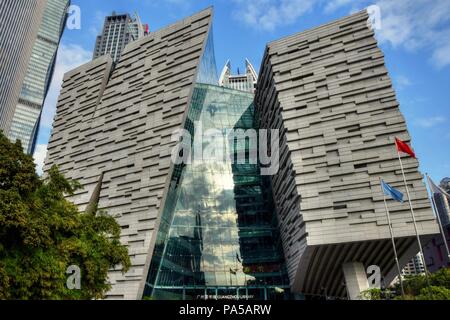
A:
{"points": [[19, 24], [244, 82], [26, 120], [414, 267], [118, 31], [435, 251]]}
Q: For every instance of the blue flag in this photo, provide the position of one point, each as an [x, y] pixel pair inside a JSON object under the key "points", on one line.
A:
{"points": [[391, 192]]}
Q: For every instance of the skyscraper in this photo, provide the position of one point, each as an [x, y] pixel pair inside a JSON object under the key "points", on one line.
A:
{"points": [[414, 267], [445, 184], [443, 203], [435, 251], [118, 31], [19, 24], [244, 82], [217, 229], [27, 114]]}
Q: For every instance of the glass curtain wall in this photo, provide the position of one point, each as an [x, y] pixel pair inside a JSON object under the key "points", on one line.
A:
{"points": [[26, 120], [207, 71], [218, 237]]}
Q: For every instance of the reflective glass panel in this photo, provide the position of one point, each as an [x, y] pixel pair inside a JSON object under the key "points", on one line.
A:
{"points": [[218, 234]]}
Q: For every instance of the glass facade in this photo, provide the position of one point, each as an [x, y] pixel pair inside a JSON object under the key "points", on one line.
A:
{"points": [[35, 85], [218, 235], [207, 71], [23, 124]]}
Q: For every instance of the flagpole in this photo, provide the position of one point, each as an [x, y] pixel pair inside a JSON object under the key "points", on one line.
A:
{"points": [[414, 220], [438, 217], [442, 229], [393, 241]]}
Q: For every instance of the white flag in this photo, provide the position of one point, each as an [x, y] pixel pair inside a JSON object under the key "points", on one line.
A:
{"points": [[436, 189]]}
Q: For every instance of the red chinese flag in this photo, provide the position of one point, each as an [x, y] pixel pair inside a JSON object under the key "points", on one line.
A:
{"points": [[403, 147]]}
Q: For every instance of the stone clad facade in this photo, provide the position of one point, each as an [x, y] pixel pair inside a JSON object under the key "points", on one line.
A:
{"points": [[328, 91], [112, 132]]}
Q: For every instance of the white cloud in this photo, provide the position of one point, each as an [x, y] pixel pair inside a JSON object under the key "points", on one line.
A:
{"points": [[417, 25], [98, 21], [429, 122], [69, 57], [402, 81], [441, 56], [412, 25], [267, 15], [178, 2], [334, 5], [39, 157]]}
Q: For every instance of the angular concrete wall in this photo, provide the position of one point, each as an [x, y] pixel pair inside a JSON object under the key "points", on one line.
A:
{"points": [[328, 91], [112, 132]]}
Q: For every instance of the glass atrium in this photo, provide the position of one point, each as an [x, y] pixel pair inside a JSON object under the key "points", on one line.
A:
{"points": [[218, 236]]}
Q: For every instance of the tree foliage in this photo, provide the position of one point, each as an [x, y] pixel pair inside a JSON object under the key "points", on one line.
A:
{"points": [[434, 293], [416, 287], [42, 234], [372, 294], [437, 287]]}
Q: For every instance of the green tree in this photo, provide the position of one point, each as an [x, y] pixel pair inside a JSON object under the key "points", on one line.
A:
{"points": [[438, 282], [413, 285], [372, 294], [434, 293], [416, 288], [441, 278], [42, 234]]}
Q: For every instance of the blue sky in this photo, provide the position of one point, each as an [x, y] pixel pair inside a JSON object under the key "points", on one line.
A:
{"points": [[414, 35]]}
